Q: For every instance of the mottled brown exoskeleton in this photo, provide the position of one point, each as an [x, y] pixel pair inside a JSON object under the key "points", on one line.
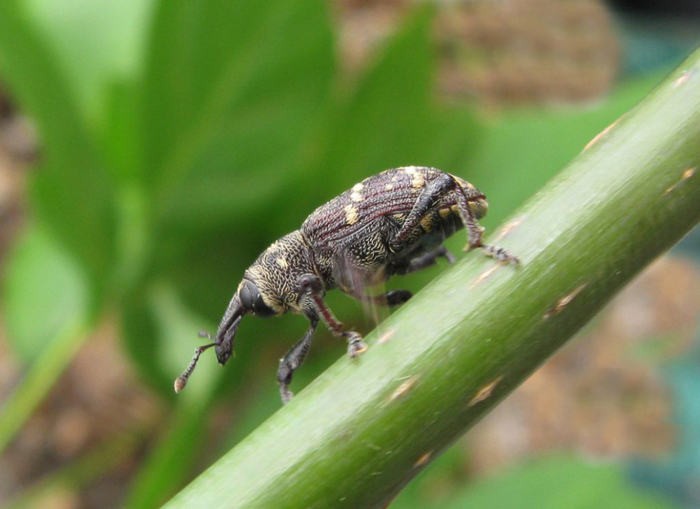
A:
{"points": [[391, 223]]}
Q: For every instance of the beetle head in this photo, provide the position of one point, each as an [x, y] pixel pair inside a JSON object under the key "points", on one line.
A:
{"points": [[247, 300]]}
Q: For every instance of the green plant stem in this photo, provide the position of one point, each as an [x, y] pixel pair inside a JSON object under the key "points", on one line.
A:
{"points": [[365, 428]]}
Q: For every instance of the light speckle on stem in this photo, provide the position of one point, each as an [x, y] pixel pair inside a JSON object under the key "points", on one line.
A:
{"points": [[687, 174], [484, 276], [423, 460], [509, 227], [386, 337], [601, 135], [404, 388], [683, 78], [564, 301], [485, 392]]}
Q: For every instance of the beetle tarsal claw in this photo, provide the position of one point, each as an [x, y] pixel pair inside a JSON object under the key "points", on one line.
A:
{"points": [[356, 346], [500, 254]]}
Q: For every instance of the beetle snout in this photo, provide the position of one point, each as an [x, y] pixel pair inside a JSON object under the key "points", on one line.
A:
{"points": [[223, 354], [479, 207]]}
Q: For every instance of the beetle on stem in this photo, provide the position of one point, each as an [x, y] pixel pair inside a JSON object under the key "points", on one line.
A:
{"points": [[391, 223]]}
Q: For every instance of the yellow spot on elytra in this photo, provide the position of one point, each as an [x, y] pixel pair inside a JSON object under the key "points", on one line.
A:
{"points": [[423, 460], [388, 187], [418, 181], [485, 392], [404, 388], [358, 187], [445, 213], [427, 223], [351, 214], [282, 262], [564, 301], [356, 196], [455, 209], [411, 170], [685, 176]]}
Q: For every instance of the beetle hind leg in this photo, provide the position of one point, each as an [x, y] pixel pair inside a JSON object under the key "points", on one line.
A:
{"points": [[428, 198], [443, 186], [429, 259], [392, 298]]}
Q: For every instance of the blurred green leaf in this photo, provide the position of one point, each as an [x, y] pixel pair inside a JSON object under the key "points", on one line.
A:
{"points": [[558, 482], [388, 119], [48, 319], [71, 193], [232, 90], [94, 44], [385, 121], [391, 119], [161, 335], [171, 460], [46, 294]]}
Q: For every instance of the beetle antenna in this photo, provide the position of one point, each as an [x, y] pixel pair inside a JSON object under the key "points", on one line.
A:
{"points": [[181, 381]]}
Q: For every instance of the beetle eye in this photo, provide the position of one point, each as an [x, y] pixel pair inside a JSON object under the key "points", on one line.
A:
{"points": [[252, 300], [479, 207]]}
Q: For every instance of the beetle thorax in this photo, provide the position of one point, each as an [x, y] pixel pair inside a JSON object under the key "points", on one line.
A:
{"points": [[277, 270]]}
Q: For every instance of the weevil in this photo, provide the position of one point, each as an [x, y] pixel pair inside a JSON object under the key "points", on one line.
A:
{"points": [[389, 224]]}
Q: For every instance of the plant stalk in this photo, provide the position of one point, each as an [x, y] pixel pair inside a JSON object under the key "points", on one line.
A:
{"points": [[362, 430]]}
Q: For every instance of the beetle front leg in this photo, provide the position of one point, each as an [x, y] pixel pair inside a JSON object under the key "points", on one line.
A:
{"points": [[311, 285], [474, 231], [294, 358]]}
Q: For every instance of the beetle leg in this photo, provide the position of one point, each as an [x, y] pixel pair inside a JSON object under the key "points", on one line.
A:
{"points": [[474, 231], [391, 298], [428, 198], [294, 358], [428, 259], [311, 286]]}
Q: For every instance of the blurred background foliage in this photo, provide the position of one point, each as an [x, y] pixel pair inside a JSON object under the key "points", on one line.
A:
{"points": [[150, 149]]}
